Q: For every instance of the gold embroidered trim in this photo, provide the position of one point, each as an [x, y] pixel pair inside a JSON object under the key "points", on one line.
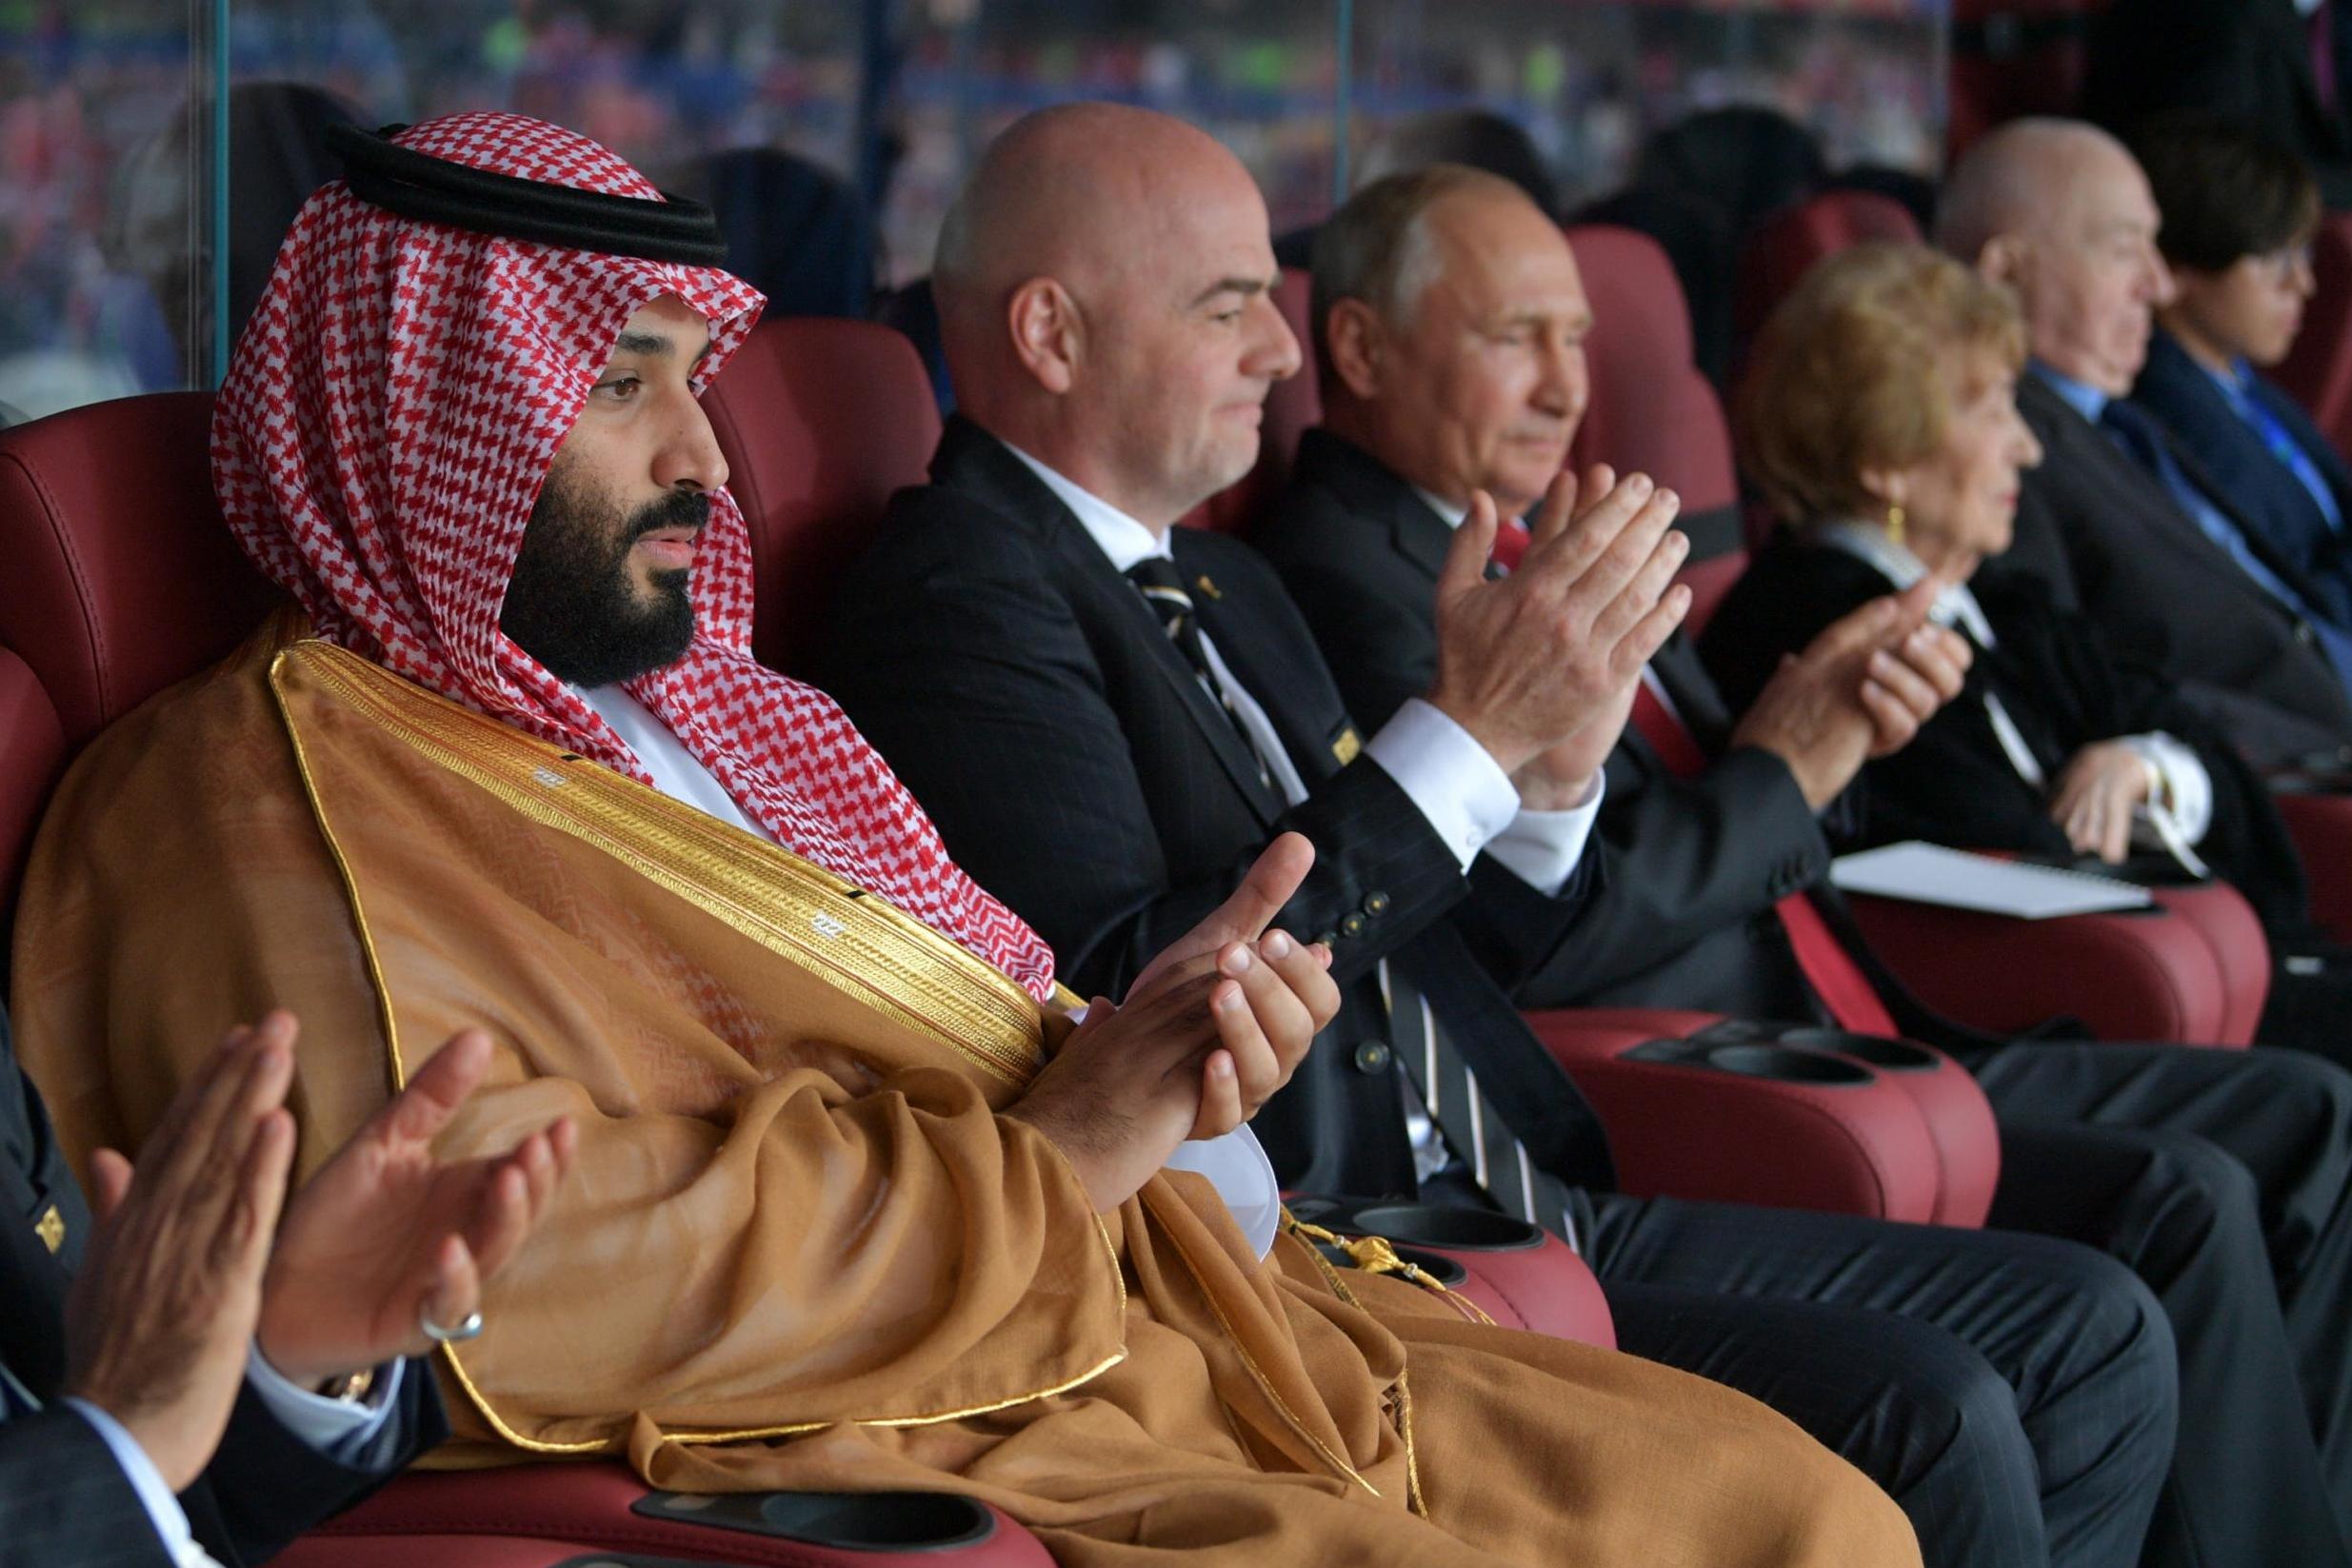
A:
{"points": [[437, 729], [859, 942], [1258, 1373]]}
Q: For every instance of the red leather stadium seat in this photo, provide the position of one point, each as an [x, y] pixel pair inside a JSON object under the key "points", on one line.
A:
{"points": [[1699, 1108], [122, 581], [1783, 248], [1652, 412], [2142, 975], [820, 420], [2318, 370], [121, 578], [593, 1506], [32, 753]]}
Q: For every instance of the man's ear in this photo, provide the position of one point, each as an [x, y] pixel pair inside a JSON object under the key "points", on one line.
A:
{"points": [[1047, 335], [1357, 341], [2004, 259]]}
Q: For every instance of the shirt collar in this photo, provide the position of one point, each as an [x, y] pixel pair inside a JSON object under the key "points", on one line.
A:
{"points": [[1447, 512], [1121, 537], [2083, 397], [1955, 604]]}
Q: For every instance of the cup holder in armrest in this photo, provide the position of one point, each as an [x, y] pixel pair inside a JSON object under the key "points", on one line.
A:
{"points": [[1786, 1066], [894, 1521], [1893, 1056], [1458, 1229]]}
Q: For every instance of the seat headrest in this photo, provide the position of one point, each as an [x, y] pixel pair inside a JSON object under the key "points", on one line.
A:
{"points": [[820, 422], [1652, 412], [1783, 248], [122, 578]]}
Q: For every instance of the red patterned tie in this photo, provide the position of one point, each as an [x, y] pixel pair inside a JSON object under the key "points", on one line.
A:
{"points": [[1835, 977], [1511, 540]]}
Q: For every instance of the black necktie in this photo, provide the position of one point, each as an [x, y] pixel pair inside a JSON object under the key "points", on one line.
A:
{"points": [[1155, 577]]}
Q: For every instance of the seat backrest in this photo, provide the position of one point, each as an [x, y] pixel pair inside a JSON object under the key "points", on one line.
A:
{"points": [[820, 422], [32, 753], [1783, 248], [121, 578], [1652, 412], [2318, 370], [1292, 406]]}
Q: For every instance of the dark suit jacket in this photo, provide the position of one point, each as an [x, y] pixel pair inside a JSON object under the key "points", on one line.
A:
{"points": [[2183, 397], [64, 1500], [2248, 60], [1954, 783], [2102, 536], [1683, 915], [1027, 696]]}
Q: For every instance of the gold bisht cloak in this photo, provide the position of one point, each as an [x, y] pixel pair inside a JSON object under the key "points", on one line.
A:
{"points": [[798, 1249]]}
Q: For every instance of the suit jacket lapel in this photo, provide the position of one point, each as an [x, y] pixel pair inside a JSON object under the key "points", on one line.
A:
{"points": [[971, 459]]}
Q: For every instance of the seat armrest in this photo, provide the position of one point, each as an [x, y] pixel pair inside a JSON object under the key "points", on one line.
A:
{"points": [[1746, 1121], [2144, 974], [595, 1503]]}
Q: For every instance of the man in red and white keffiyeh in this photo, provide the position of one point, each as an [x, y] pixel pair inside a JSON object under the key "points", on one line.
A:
{"points": [[401, 401], [479, 462]]}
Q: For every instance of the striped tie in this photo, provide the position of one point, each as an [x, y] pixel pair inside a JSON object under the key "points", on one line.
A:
{"points": [[1475, 1129], [1163, 587]]}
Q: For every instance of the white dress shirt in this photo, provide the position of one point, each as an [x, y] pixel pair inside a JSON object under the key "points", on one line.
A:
{"points": [[340, 1429], [1235, 1164]]}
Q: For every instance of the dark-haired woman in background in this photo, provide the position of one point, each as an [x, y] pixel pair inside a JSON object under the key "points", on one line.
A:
{"points": [[2238, 213]]}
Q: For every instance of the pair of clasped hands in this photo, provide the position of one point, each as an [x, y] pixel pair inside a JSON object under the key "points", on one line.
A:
{"points": [[1540, 667]]}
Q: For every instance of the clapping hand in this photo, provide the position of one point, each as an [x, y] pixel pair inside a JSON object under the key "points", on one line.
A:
{"points": [[387, 1238]]}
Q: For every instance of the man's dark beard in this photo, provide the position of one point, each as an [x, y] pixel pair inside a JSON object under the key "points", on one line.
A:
{"points": [[571, 605]]}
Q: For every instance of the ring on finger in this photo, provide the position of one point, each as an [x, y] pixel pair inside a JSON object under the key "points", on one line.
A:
{"points": [[469, 1329]]}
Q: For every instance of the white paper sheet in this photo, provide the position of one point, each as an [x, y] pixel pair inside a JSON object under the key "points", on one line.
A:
{"points": [[1927, 873]]}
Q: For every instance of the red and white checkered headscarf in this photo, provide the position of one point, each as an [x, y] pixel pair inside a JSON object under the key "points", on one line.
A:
{"points": [[386, 424]]}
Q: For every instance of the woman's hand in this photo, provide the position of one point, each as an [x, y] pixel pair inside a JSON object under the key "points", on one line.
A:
{"points": [[2095, 798]]}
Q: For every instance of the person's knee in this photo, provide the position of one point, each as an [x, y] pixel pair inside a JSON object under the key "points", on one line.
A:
{"points": [[2109, 1357]]}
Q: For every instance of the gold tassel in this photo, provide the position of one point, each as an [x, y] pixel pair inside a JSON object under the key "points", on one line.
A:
{"points": [[1374, 1255]]}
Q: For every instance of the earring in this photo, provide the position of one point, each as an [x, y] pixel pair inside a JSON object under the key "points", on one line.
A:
{"points": [[1894, 523]]}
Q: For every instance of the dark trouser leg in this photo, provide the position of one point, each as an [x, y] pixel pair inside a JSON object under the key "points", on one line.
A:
{"points": [[2288, 1118], [1908, 1404], [2082, 1345], [2246, 1485]]}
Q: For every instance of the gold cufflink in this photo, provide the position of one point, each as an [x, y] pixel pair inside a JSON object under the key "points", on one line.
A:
{"points": [[1346, 748], [50, 1228]]}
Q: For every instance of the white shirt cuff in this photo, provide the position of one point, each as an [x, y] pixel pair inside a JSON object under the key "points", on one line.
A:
{"points": [[1457, 785], [2186, 788], [1540, 848], [338, 1428], [162, 1509]]}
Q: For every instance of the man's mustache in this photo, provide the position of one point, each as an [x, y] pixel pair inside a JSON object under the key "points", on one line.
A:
{"points": [[678, 509]]}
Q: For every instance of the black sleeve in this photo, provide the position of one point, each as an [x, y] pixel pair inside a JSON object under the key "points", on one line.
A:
{"points": [[1682, 858], [1375, 630], [972, 676], [64, 1500], [264, 1486]]}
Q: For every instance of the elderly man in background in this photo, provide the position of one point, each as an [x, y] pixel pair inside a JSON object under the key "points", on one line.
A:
{"points": [[860, 1206], [2119, 519], [1448, 324], [1110, 715]]}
